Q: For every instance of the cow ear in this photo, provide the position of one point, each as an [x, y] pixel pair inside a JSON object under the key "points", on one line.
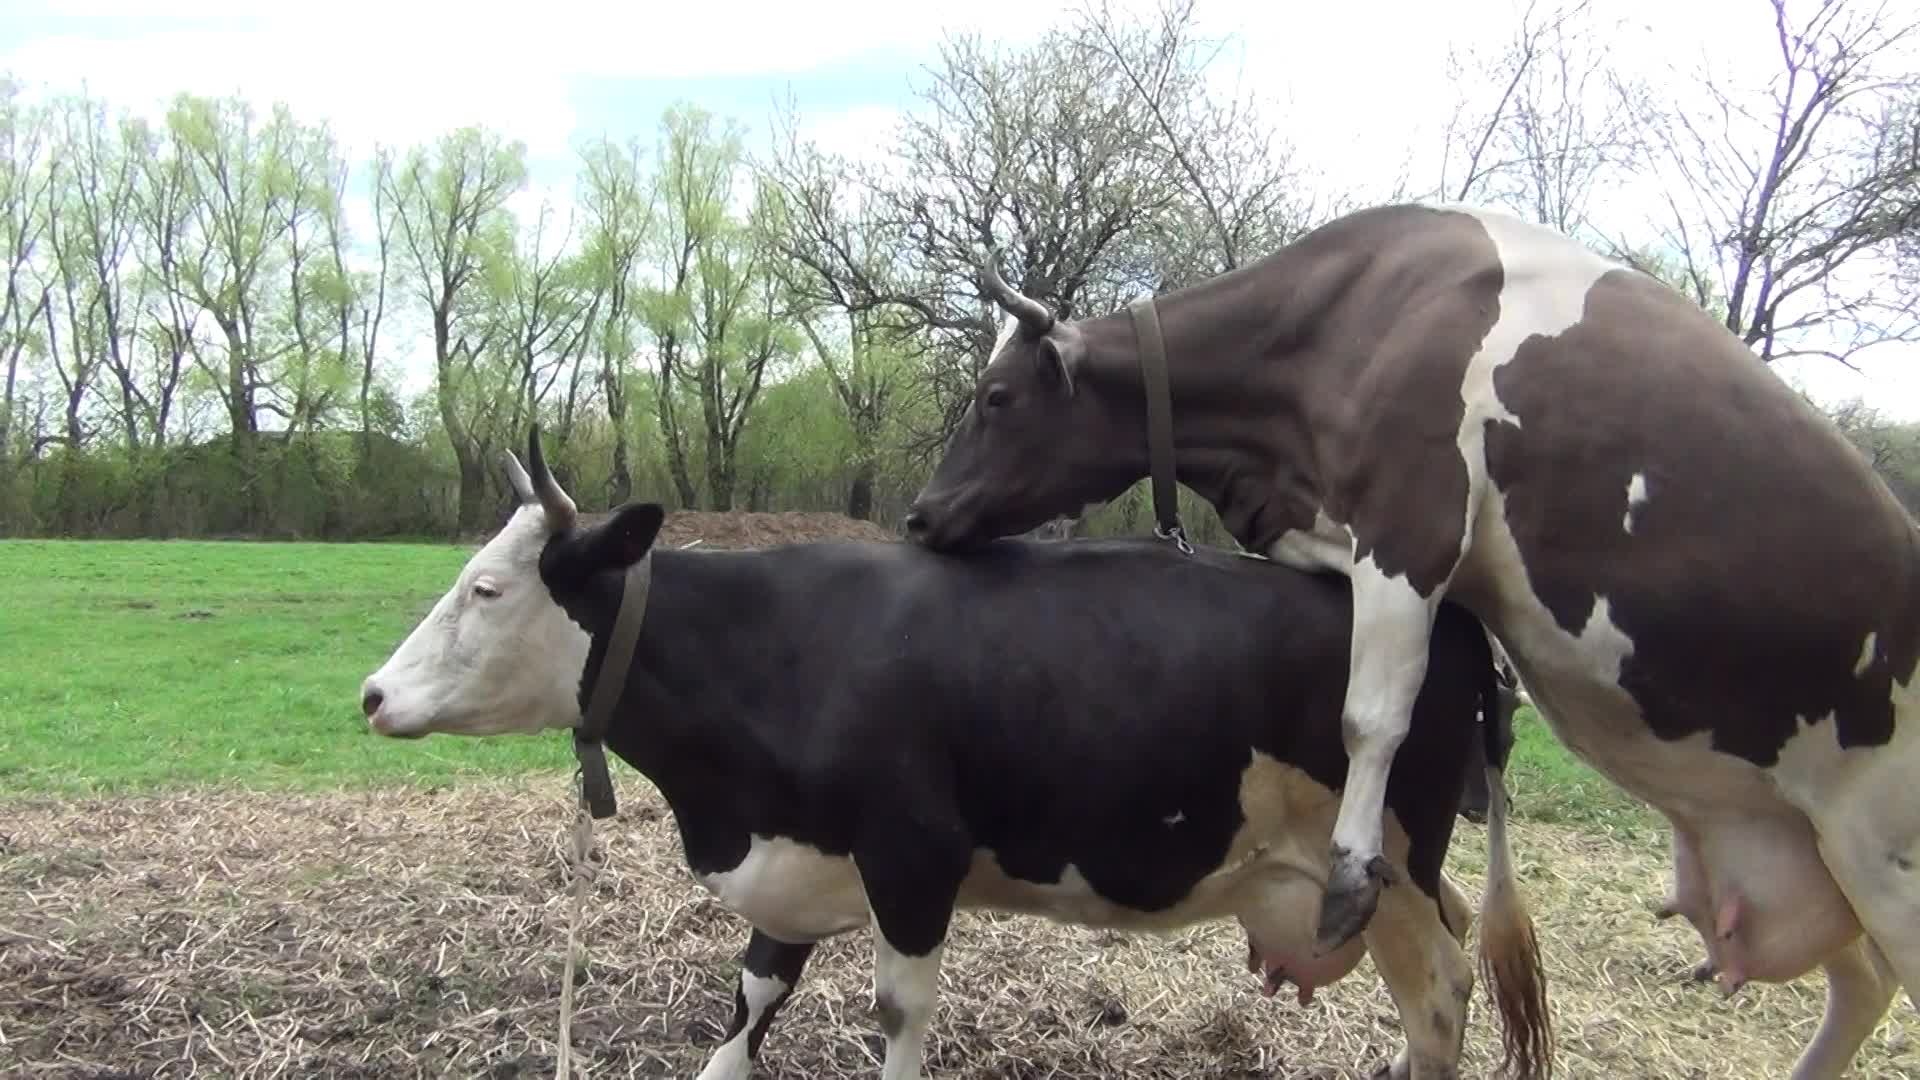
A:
{"points": [[623, 539], [1055, 360]]}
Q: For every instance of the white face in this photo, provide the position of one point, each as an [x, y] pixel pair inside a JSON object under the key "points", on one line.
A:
{"points": [[496, 655]]}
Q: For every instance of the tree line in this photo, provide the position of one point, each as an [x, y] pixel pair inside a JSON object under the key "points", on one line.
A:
{"points": [[205, 316]]}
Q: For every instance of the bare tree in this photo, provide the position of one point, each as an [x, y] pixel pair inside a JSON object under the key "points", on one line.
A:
{"points": [[1048, 155], [1788, 201], [1238, 195], [1076, 158], [1550, 119], [829, 253]]}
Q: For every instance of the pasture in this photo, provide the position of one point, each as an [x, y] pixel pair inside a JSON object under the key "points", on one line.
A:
{"points": [[208, 867]]}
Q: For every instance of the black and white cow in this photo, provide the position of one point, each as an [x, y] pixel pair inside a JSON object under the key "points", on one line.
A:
{"points": [[1106, 733]]}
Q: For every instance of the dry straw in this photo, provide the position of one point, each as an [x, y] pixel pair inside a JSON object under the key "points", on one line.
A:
{"points": [[420, 933]]}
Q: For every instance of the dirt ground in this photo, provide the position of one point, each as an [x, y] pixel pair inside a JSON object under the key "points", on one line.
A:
{"points": [[422, 933], [746, 529]]}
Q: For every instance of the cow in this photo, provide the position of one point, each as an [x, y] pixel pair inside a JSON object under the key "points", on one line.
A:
{"points": [[1101, 732], [1709, 595]]}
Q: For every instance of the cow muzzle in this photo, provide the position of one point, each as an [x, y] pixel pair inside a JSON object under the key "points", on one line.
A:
{"points": [[380, 719]]}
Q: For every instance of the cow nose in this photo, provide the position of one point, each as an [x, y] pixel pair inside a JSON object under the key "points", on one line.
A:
{"points": [[370, 701], [916, 523]]}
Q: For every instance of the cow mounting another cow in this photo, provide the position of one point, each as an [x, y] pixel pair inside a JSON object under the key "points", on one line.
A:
{"points": [[1709, 595]]}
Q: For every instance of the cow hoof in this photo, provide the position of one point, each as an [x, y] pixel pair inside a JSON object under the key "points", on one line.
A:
{"points": [[1400, 1068], [1353, 890]]}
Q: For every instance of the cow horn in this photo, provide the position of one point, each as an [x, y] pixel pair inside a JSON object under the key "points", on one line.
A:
{"points": [[518, 479], [1033, 314], [559, 507]]}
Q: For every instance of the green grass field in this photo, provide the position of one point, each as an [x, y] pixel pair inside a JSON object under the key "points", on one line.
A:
{"points": [[139, 666], [131, 666]]}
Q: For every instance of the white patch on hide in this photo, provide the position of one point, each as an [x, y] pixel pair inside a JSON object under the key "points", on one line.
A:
{"points": [[1604, 645], [1545, 280], [910, 985], [1866, 654], [731, 1061], [1387, 662], [1326, 546], [1281, 844], [1636, 497], [793, 891]]}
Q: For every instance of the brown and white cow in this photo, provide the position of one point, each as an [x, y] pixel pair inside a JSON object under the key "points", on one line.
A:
{"points": [[1708, 594]]}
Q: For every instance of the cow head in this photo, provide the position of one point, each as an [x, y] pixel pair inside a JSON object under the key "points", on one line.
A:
{"points": [[1034, 444], [505, 650]]}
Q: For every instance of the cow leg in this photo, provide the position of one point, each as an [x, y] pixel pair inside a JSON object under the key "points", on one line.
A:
{"points": [[1883, 885], [769, 971], [1430, 978], [1859, 989], [1457, 912], [1456, 909], [1387, 664], [912, 883], [1869, 837], [905, 986]]}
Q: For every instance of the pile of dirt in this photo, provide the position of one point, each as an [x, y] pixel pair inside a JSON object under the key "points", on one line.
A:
{"points": [[404, 933], [752, 529]]}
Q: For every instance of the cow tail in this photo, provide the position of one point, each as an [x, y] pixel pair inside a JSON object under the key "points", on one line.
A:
{"points": [[1509, 960]]}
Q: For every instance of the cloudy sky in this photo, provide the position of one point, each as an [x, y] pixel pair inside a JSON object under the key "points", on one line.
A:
{"points": [[1361, 85]]}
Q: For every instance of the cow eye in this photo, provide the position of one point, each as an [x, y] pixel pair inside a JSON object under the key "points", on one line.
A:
{"points": [[997, 396], [485, 590]]}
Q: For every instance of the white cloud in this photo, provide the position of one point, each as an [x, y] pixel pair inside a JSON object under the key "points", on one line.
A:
{"points": [[370, 88]]}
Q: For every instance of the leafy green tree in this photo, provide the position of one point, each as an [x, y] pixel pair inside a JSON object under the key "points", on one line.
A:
{"points": [[93, 233], [449, 206], [715, 315], [315, 375], [26, 183], [357, 299], [238, 196], [164, 211], [551, 307], [619, 201]]}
